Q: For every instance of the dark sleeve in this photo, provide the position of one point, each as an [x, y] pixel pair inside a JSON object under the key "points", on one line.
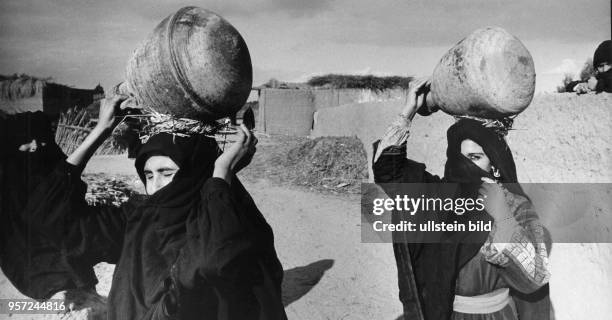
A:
{"points": [[570, 86], [393, 167], [221, 247], [408, 293], [59, 212], [534, 306]]}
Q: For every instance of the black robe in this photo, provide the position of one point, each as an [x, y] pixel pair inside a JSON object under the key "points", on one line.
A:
{"points": [[197, 247], [35, 266]]}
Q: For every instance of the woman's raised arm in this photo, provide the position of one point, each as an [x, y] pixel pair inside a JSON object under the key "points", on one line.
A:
{"points": [[106, 123], [397, 132]]}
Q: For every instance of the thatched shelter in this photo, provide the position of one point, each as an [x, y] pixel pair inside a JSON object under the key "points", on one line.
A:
{"points": [[22, 93]]}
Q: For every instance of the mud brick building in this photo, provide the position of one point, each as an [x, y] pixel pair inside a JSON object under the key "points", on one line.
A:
{"points": [[25, 93]]}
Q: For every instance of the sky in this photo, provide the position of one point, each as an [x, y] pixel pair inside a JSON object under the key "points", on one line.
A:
{"points": [[83, 43]]}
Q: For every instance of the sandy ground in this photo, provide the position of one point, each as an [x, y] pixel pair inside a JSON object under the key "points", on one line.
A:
{"points": [[329, 273], [360, 280]]}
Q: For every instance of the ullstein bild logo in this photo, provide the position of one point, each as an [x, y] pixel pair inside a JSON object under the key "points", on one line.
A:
{"points": [[432, 226]]}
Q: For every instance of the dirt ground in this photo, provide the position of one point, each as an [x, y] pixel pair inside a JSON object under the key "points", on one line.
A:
{"points": [[329, 273]]}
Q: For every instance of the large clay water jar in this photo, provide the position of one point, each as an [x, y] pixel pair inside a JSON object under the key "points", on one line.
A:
{"points": [[488, 74], [194, 65]]}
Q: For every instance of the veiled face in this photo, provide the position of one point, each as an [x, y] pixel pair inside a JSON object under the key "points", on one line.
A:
{"points": [[603, 67], [31, 146], [159, 171], [474, 152]]}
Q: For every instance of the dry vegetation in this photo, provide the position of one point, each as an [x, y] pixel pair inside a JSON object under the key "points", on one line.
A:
{"points": [[586, 72], [341, 81], [20, 86], [344, 81], [326, 164], [109, 189]]}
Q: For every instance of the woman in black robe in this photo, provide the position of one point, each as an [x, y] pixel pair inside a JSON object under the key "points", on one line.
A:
{"points": [[36, 267], [197, 247], [501, 275]]}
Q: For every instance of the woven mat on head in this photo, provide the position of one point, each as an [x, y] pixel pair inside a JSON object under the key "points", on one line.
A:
{"points": [[154, 123], [151, 122], [500, 126]]}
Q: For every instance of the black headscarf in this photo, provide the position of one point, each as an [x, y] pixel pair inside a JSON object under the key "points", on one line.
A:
{"points": [[459, 168], [24, 170], [180, 149], [602, 54], [21, 128], [195, 157]]}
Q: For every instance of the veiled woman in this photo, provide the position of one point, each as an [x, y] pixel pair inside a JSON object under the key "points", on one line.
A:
{"points": [[498, 275], [197, 247], [35, 266]]}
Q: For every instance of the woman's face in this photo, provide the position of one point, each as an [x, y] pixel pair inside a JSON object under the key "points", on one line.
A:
{"points": [[31, 146], [158, 171], [603, 67], [474, 152]]}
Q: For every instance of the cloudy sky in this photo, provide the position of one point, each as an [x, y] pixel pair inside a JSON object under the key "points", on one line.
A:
{"points": [[82, 43]]}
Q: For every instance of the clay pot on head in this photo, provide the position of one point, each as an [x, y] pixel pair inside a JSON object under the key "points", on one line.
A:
{"points": [[194, 64], [489, 74]]}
